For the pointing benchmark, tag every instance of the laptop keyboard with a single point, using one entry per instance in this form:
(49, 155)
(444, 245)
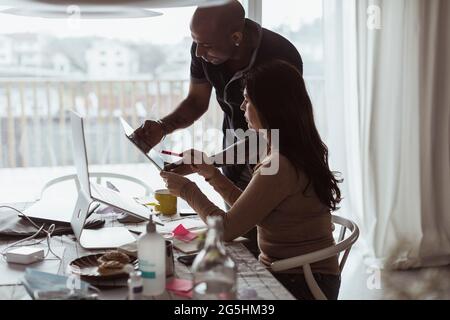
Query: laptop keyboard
(117, 200)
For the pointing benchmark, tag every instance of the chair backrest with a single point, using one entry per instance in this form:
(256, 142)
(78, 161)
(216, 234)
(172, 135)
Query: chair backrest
(345, 243)
(99, 176)
(342, 246)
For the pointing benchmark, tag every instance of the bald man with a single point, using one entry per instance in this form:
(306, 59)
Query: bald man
(225, 46)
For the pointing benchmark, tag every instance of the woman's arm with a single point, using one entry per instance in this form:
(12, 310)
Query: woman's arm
(262, 196)
(225, 187)
(201, 164)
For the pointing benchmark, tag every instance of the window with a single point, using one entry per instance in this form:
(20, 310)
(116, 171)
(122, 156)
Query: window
(300, 21)
(148, 82)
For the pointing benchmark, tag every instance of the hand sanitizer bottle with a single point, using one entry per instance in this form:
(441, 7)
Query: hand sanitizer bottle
(152, 260)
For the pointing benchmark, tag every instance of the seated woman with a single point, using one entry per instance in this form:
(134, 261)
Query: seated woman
(292, 207)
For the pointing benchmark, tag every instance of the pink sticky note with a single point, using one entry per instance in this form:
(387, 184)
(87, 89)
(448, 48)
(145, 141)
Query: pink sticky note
(180, 230)
(187, 238)
(183, 234)
(181, 285)
(184, 294)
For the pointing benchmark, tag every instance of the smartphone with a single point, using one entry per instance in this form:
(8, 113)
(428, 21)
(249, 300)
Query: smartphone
(187, 260)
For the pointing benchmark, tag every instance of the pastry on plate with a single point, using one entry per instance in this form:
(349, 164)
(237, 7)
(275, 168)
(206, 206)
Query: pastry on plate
(114, 256)
(110, 267)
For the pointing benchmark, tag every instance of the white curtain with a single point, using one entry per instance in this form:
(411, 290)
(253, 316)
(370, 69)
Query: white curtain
(389, 124)
(435, 131)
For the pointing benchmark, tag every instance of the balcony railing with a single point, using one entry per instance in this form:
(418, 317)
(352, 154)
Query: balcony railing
(35, 123)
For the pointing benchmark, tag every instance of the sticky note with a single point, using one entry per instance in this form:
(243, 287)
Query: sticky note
(184, 294)
(180, 287)
(183, 234)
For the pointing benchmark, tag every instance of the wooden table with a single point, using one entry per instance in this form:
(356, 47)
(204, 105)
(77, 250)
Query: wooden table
(251, 273)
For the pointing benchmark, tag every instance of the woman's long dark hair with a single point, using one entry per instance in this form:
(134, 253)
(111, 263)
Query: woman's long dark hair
(278, 92)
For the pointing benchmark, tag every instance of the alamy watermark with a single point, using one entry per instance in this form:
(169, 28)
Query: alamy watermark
(374, 17)
(73, 17)
(374, 279)
(73, 282)
(246, 147)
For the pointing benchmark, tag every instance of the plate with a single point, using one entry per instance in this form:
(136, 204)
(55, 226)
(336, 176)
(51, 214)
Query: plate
(87, 268)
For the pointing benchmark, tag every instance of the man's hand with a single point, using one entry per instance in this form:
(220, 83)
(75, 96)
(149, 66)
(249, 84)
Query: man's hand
(148, 135)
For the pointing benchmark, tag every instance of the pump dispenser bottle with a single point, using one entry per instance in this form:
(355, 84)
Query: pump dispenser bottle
(152, 260)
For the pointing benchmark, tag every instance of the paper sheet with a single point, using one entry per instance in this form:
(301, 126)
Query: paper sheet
(186, 247)
(189, 223)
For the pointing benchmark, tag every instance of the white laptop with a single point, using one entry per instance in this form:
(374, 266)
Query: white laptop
(90, 192)
(54, 210)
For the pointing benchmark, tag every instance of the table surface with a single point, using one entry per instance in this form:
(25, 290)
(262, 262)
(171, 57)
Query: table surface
(251, 273)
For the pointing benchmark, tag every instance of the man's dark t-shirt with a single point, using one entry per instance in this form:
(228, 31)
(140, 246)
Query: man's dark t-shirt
(229, 87)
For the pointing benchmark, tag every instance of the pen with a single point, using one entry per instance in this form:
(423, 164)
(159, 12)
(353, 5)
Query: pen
(170, 153)
(187, 214)
(158, 223)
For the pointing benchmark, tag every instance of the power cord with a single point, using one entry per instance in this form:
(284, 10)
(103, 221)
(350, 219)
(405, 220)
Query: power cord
(73, 294)
(48, 233)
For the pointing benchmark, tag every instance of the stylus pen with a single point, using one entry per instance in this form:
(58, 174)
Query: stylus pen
(170, 153)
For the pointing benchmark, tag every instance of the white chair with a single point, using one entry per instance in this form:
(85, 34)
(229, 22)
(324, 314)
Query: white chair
(343, 245)
(99, 176)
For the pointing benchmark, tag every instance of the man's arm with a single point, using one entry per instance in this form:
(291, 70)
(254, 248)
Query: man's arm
(188, 111)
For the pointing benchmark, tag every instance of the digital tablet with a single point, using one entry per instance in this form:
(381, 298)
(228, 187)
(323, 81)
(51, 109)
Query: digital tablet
(152, 155)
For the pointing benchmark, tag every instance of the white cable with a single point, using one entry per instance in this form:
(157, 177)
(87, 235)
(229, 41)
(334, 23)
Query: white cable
(3, 253)
(48, 233)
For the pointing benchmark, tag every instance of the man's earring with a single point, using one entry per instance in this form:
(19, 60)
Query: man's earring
(236, 44)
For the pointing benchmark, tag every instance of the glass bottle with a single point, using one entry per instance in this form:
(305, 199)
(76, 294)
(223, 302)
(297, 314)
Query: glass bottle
(135, 286)
(214, 272)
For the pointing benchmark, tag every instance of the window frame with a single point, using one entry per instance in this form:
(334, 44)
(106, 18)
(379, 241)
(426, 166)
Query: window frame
(253, 9)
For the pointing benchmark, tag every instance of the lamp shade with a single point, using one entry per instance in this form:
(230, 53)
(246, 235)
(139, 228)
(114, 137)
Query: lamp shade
(96, 9)
(146, 4)
(111, 12)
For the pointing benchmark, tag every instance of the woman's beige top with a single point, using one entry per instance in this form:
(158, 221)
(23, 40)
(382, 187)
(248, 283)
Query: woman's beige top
(289, 222)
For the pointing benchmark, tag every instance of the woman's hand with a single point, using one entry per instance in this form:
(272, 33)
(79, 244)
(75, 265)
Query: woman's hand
(193, 161)
(200, 163)
(174, 182)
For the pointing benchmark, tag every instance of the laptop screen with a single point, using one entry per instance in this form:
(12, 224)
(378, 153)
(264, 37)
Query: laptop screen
(152, 155)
